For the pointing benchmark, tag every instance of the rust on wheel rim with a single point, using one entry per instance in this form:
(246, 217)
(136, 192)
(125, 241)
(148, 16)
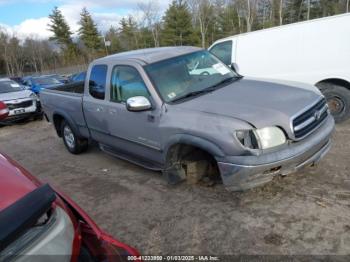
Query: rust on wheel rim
(336, 105)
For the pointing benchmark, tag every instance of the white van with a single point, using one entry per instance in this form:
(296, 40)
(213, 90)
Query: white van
(316, 52)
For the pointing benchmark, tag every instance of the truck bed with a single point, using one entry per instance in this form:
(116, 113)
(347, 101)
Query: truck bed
(76, 87)
(66, 100)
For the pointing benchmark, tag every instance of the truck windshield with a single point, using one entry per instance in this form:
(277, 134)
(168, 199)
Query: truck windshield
(9, 86)
(187, 75)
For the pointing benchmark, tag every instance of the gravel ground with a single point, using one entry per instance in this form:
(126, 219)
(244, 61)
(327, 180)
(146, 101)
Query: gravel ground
(303, 213)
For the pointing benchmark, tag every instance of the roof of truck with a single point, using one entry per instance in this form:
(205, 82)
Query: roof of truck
(151, 55)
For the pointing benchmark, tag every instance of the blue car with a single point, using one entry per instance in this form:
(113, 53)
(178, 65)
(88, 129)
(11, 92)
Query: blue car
(36, 84)
(78, 77)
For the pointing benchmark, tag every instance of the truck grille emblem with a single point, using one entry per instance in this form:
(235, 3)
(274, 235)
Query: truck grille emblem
(317, 114)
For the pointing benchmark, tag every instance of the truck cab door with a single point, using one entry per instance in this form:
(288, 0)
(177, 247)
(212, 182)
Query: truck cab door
(135, 133)
(94, 104)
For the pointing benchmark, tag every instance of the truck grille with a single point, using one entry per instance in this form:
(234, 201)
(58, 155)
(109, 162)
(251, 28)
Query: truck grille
(12, 106)
(308, 121)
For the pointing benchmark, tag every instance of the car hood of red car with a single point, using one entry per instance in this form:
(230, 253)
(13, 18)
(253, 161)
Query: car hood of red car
(15, 182)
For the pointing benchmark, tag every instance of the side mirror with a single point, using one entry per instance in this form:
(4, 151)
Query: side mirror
(234, 67)
(4, 111)
(138, 103)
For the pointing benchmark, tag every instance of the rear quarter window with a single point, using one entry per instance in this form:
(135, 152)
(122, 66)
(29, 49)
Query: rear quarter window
(97, 81)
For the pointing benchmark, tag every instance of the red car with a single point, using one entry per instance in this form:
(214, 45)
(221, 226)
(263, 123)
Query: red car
(36, 219)
(4, 111)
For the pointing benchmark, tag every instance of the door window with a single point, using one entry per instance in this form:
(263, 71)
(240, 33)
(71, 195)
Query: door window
(97, 82)
(126, 82)
(223, 51)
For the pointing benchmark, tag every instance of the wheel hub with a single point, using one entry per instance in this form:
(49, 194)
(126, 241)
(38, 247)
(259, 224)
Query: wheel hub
(336, 105)
(69, 137)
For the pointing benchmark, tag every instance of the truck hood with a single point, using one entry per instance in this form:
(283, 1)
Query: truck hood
(15, 95)
(260, 103)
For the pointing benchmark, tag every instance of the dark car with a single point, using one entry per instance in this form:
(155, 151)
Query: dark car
(60, 78)
(37, 83)
(39, 221)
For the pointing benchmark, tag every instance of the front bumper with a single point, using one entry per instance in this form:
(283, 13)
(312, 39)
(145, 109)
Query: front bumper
(17, 107)
(27, 112)
(244, 172)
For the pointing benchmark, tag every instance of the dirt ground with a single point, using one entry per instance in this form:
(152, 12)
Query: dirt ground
(303, 213)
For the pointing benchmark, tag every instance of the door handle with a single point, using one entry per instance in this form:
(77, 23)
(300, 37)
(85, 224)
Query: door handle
(99, 109)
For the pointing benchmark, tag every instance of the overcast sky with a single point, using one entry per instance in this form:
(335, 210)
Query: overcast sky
(30, 17)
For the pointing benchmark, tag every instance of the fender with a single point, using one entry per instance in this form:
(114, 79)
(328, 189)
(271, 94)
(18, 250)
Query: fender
(196, 141)
(343, 81)
(67, 118)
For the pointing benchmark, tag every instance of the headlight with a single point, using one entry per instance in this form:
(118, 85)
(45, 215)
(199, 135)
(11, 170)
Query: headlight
(263, 138)
(247, 138)
(270, 137)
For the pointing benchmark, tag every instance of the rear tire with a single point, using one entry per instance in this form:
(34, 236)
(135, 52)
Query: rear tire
(73, 143)
(338, 99)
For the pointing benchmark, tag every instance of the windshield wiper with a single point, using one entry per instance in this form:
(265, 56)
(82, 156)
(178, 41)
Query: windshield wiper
(191, 94)
(227, 80)
(206, 90)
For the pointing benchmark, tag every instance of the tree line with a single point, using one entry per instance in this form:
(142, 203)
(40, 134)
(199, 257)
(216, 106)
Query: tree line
(185, 22)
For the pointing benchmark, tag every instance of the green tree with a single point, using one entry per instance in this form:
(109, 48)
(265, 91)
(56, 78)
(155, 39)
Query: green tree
(62, 35)
(88, 31)
(113, 36)
(226, 22)
(128, 33)
(60, 28)
(178, 28)
(146, 39)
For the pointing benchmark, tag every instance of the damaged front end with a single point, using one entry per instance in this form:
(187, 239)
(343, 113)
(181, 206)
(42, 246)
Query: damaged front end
(240, 173)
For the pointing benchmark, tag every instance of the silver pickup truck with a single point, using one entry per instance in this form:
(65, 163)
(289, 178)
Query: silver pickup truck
(183, 112)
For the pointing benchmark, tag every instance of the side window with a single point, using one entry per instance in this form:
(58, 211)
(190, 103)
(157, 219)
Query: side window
(97, 81)
(223, 51)
(126, 82)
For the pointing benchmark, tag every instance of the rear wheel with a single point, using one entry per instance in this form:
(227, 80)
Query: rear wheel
(338, 99)
(73, 143)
